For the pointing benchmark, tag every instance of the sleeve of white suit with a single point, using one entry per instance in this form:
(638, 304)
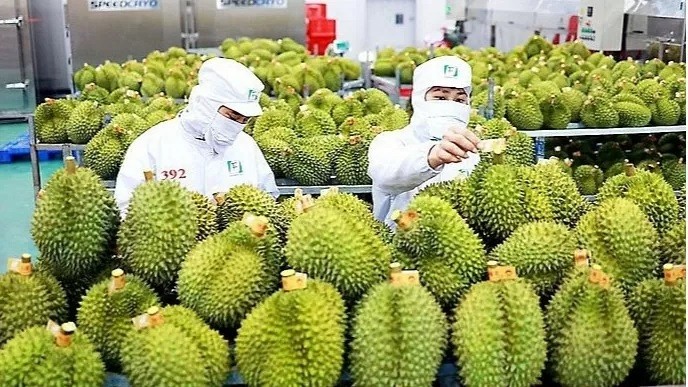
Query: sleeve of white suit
(396, 167)
(266, 178)
(130, 175)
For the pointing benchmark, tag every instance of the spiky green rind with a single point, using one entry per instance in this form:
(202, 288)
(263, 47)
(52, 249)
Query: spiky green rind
(180, 351)
(158, 232)
(400, 334)
(632, 114)
(450, 191)
(104, 154)
(659, 310)
(74, 223)
(26, 301)
(649, 191)
(448, 254)
(234, 253)
(588, 179)
(310, 163)
(674, 173)
(50, 119)
(499, 335)
(273, 118)
(335, 247)
(314, 122)
(560, 188)
(588, 326)
(206, 217)
(293, 338)
(541, 252)
(105, 317)
(351, 164)
(241, 199)
(621, 239)
(84, 122)
(394, 118)
(672, 244)
(33, 359)
(350, 107)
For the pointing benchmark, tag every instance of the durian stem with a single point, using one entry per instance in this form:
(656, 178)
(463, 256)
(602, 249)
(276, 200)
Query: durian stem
(672, 273)
(70, 165)
(155, 317)
(118, 279)
(257, 224)
(580, 257)
(148, 175)
(492, 271)
(629, 169)
(291, 280)
(64, 337)
(219, 198)
(25, 267)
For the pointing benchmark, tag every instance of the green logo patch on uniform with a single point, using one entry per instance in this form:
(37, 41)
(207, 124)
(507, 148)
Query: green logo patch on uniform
(234, 167)
(451, 71)
(252, 95)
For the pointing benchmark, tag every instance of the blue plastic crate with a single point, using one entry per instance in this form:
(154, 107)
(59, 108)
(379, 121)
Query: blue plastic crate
(18, 149)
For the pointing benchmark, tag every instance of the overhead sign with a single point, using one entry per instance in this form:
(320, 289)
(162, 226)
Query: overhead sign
(228, 4)
(123, 5)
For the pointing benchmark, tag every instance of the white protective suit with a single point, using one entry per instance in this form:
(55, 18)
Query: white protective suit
(200, 148)
(398, 160)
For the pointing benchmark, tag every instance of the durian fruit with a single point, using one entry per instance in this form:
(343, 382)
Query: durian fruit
(646, 189)
(672, 244)
(589, 179)
(351, 164)
(632, 115)
(350, 107)
(665, 111)
(159, 230)
(449, 191)
(50, 120)
(599, 112)
(294, 337)
(84, 122)
(275, 152)
(39, 357)
(519, 146)
(310, 161)
(172, 346)
(84, 76)
(206, 216)
(313, 122)
(75, 223)
(106, 310)
(241, 199)
(658, 308)
(619, 236)
(555, 111)
(233, 254)
(394, 118)
(567, 204)
(499, 332)
(588, 324)
(272, 118)
(336, 247)
(523, 111)
(345, 202)
(399, 333)
(540, 252)
(439, 243)
(674, 172)
(28, 298)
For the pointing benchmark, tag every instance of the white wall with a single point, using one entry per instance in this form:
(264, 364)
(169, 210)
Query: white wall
(430, 18)
(351, 22)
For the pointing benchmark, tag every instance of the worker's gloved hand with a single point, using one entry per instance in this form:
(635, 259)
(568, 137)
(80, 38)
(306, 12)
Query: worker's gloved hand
(456, 144)
(222, 132)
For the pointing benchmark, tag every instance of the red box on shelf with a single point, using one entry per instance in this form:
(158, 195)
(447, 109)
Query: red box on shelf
(320, 27)
(316, 11)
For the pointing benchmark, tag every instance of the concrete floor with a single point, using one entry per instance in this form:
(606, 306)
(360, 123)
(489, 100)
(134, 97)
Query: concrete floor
(16, 199)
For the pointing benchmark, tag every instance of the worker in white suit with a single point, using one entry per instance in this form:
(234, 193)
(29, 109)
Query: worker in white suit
(204, 148)
(436, 146)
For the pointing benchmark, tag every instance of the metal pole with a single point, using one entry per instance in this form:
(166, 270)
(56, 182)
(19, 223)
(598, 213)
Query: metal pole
(683, 41)
(33, 154)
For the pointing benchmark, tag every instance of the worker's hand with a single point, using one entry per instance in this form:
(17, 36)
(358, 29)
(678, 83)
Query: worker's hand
(455, 146)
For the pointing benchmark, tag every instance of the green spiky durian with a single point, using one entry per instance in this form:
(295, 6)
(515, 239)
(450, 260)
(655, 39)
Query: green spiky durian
(34, 358)
(159, 230)
(665, 111)
(241, 199)
(659, 309)
(84, 76)
(293, 337)
(351, 165)
(323, 99)
(314, 122)
(75, 222)
(374, 100)
(589, 179)
(275, 152)
(621, 238)
(449, 191)
(649, 191)
(555, 111)
(430, 233)
(599, 112)
(106, 76)
(50, 119)
(350, 107)
(524, 113)
(272, 118)
(206, 216)
(499, 334)
(151, 84)
(588, 325)
(573, 99)
(672, 245)
(203, 285)
(541, 252)
(336, 247)
(104, 153)
(519, 147)
(394, 118)
(131, 80)
(84, 122)
(310, 162)
(632, 115)
(389, 315)
(93, 92)
(181, 350)
(28, 298)
(106, 310)
(628, 97)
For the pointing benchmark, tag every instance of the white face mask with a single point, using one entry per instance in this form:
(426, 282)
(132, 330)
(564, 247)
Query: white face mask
(438, 116)
(222, 132)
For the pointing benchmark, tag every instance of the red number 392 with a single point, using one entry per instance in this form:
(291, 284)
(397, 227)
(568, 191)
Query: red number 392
(174, 174)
